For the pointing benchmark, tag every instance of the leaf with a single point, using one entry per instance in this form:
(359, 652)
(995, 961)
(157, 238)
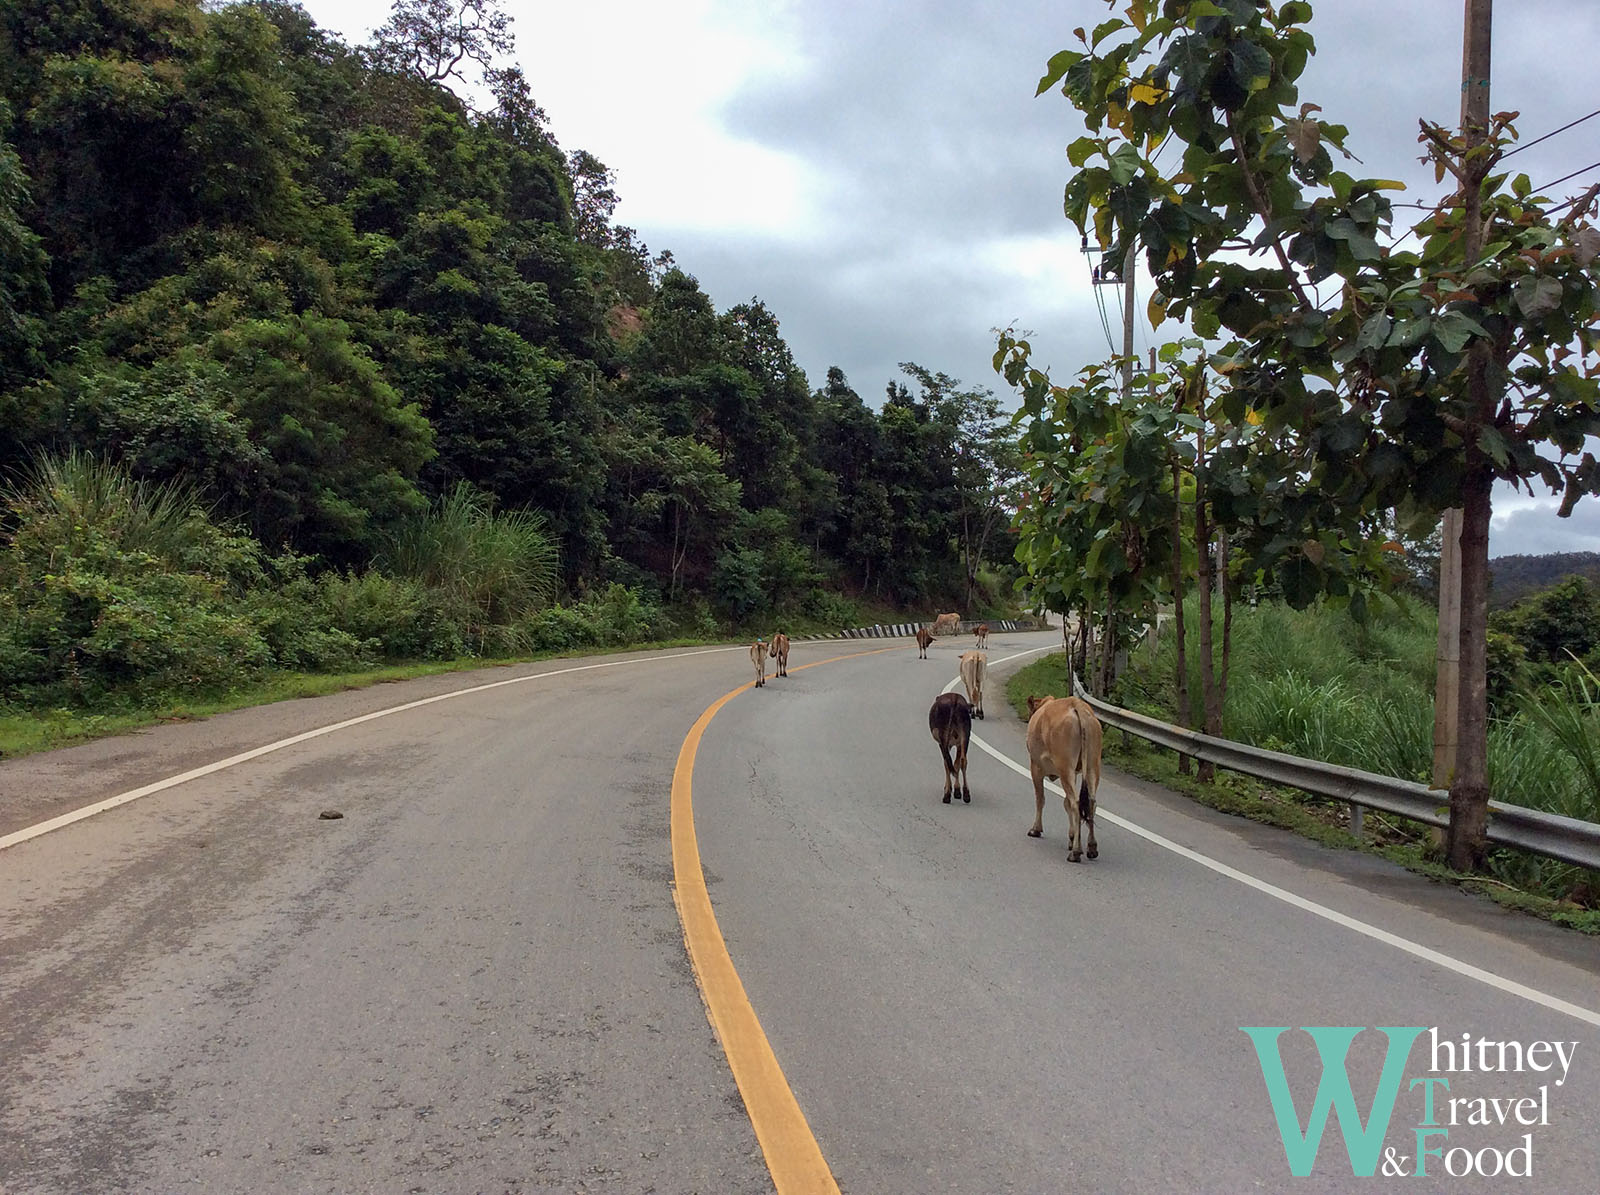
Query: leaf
(1305, 136)
(1055, 70)
(1314, 551)
(1586, 245)
(1537, 297)
(1156, 310)
(1492, 442)
(1146, 93)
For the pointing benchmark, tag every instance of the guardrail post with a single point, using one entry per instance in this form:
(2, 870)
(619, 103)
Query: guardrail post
(1355, 819)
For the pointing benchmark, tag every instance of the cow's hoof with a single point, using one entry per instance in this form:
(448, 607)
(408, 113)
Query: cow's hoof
(1093, 853)
(1035, 833)
(967, 798)
(947, 798)
(1074, 856)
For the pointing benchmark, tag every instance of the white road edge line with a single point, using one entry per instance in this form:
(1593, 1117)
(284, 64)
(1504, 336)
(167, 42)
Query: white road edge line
(1426, 953)
(66, 819)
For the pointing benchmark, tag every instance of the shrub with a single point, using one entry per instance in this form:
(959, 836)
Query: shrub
(497, 567)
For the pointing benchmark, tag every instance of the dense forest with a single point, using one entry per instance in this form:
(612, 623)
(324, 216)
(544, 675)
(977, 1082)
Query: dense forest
(1517, 577)
(312, 352)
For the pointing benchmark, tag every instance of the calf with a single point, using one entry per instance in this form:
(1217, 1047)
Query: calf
(780, 650)
(980, 635)
(924, 637)
(758, 657)
(972, 670)
(950, 723)
(1064, 740)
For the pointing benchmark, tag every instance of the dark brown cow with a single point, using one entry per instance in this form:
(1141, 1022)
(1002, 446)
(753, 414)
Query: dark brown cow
(950, 723)
(1064, 740)
(780, 650)
(924, 637)
(980, 635)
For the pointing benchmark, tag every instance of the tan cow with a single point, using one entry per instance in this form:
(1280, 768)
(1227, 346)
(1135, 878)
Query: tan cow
(758, 657)
(1064, 740)
(947, 624)
(924, 637)
(780, 650)
(973, 666)
(980, 635)
(950, 723)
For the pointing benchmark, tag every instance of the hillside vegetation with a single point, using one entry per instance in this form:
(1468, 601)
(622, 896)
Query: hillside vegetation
(306, 361)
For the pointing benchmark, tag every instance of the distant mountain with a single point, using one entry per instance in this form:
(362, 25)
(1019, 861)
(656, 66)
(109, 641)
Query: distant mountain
(1512, 578)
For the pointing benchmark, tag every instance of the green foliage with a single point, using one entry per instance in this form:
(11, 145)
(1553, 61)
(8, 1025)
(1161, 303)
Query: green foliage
(1318, 684)
(498, 567)
(309, 291)
(112, 585)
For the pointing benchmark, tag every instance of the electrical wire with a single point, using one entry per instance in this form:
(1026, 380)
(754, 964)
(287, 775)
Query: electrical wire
(1565, 177)
(1550, 134)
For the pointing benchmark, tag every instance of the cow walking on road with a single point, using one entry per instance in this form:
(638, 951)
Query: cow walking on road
(758, 657)
(950, 723)
(980, 635)
(1064, 740)
(924, 637)
(780, 650)
(973, 667)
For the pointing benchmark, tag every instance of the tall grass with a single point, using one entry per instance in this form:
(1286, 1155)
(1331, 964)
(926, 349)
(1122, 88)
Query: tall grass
(75, 506)
(500, 567)
(1317, 684)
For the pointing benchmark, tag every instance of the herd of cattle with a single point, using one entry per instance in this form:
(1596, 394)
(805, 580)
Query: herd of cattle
(1064, 735)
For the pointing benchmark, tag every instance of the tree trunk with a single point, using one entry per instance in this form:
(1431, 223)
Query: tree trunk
(1466, 838)
(1181, 677)
(1227, 624)
(1208, 681)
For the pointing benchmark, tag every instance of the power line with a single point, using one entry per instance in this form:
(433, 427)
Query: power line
(1547, 136)
(1565, 177)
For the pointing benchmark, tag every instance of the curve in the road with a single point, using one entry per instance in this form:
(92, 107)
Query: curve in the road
(1511, 986)
(77, 815)
(794, 1159)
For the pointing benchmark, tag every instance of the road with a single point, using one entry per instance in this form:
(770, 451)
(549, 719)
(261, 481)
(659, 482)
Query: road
(476, 978)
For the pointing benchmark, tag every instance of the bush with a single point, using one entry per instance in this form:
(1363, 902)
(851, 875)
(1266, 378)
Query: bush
(116, 586)
(402, 618)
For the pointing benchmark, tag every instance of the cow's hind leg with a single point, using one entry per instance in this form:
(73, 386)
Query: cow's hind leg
(961, 763)
(1086, 804)
(1038, 803)
(949, 770)
(1074, 818)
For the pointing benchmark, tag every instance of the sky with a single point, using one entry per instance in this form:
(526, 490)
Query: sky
(881, 175)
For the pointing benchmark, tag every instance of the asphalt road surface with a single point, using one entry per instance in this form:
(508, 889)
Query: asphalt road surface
(476, 980)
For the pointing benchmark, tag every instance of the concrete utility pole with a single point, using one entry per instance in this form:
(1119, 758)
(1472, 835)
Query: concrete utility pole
(1477, 20)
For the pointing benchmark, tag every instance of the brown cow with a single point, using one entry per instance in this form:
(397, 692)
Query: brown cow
(758, 657)
(950, 623)
(924, 637)
(950, 723)
(980, 634)
(1064, 740)
(972, 669)
(780, 649)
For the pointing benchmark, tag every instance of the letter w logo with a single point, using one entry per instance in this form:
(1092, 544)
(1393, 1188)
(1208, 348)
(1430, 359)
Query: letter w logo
(1333, 1091)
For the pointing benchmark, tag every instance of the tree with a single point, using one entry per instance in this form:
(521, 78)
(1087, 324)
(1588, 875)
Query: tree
(431, 39)
(1414, 382)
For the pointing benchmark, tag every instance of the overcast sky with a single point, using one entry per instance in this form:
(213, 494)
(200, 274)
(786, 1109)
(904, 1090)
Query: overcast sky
(880, 173)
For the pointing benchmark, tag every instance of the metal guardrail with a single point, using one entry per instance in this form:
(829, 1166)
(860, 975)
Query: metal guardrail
(1550, 834)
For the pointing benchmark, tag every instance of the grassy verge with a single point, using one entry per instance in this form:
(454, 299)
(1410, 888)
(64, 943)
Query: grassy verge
(1323, 821)
(23, 732)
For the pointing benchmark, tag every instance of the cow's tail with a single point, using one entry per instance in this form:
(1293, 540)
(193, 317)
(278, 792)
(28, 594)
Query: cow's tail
(1085, 809)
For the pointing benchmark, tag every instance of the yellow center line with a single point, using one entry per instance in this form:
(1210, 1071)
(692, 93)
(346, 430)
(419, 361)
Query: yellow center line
(794, 1159)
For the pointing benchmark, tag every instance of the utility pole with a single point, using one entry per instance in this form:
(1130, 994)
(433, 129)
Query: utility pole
(1477, 20)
